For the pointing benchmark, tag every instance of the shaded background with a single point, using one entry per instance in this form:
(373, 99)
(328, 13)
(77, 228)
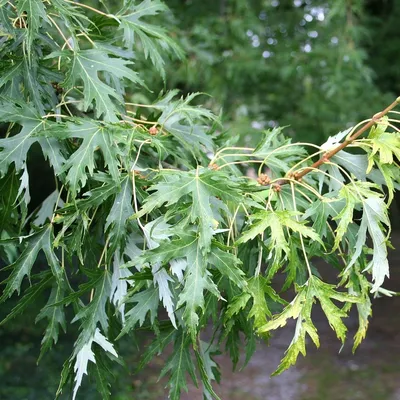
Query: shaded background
(316, 66)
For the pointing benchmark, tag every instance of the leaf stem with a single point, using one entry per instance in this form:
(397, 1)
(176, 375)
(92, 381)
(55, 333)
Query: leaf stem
(134, 183)
(301, 236)
(61, 33)
(215, 158)
(99, 264)
(92, 9)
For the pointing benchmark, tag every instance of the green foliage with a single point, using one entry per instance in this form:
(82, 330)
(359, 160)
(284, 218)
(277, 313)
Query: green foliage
(313, 65)
(155, 224)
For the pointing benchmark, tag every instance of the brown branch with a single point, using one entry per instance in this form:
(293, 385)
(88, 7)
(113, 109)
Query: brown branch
(348, 141)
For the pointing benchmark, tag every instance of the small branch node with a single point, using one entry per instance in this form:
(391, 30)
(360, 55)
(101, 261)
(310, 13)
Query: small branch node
(213, 166)
(325, 158)
(153, 131)
(264, 179)
(277, 187)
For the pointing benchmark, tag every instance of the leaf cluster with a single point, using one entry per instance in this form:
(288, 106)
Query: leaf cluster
(154, 224)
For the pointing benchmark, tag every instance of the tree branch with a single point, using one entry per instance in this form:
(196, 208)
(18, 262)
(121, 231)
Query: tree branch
(348, 141)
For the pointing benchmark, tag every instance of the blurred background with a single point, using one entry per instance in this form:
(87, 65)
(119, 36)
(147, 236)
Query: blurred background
(315, 66)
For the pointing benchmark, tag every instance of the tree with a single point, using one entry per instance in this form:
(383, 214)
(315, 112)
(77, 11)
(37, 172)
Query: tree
(311, 65)
(153, 214)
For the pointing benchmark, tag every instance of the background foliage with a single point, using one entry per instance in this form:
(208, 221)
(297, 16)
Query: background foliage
(152, 224)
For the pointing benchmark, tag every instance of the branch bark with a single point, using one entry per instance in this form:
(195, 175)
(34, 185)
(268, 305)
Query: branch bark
(348, 141)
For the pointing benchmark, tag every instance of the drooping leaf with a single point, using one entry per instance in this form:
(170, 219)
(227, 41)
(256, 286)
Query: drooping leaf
(86, 354)
(183, 121)
(146, 302)
(157, 346)
(178, 365)
(374, 215)
(259, 289)
(197, 280)
(95, 312)
(228, 265)
(31, 294)
(118, 218)
(349, 198)
(208, 369)
(55, 316)
(119, 285)
(42, 239)
(383, 142)
(48, 207)
(359, 285)
(10, 214)
(31, 13)
(300, 309)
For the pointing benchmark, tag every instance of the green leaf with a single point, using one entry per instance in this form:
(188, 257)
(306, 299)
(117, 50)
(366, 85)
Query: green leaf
(33, 12)
(259, 288)
(31, 294)
(183, 121)
(260, 293)
(82, 162)
(146, 302)
(374, 215)
(9, 213)
(157, 346)
(276, 222)
(86, 66)
(387, 144)
(93, 198)
(48, 207)
(14, 149)
(359, 285)
(118, 218)
(296, 270)
(277, 152)
(11, 74)
(154, 39)
(102, 372)
(349, 197)
(320, 211)
(238, 304)
(208, 369)
(178, 365)
(42, 239)
(228, 265)
(390, 175)
(203, 186)
(56, 319)
(197, 280)
(86, 354)
(356, 164)
(95, 312)
(300, 309)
